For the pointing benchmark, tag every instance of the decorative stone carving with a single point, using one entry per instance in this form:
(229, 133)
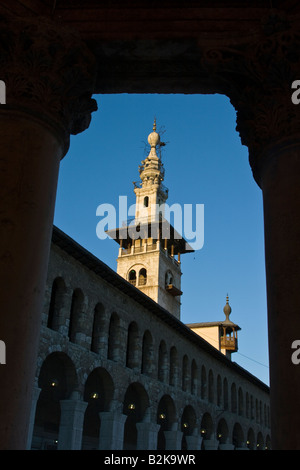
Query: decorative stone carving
(49, 72)
(258, 77)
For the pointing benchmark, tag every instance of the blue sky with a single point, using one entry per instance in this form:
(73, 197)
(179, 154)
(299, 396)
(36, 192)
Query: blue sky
(205, 163)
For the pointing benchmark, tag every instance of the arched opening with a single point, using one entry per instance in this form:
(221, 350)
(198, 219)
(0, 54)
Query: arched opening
(238, 439)
(142, 277)
(250, 439)
(147, 354)
(57, 379)
(136, 402)
(211, 394)
(132, 277)
(56, 303)
(203, 383)
(206, 428)
(222, 432)
(98, 392)
(132, 350)
(240, 402)
(225, 394)
(188, 423)
(233, 398)
(166, 417)
(75, 315)
(113, 349)
(173, 366)
(260, 442)
(194, 378)
(98, 329)
(219, 391)
(162, 370)
(146, 201)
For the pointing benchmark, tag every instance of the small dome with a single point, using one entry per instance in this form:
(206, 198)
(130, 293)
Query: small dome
(227, 308)
(153, 138)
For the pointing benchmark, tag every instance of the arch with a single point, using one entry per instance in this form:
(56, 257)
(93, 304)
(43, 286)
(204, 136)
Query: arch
(113, 349)
(233, 398)
(206, 426)
(136, 402)
(219, 390)
(211, 386)
(240, 402)
(203, 382)
(166, 418)
(56, 304)
(194, 378)
(225, 394)
(188, 424)
(168, 278)
(260, 441)
(162, 370)
(238, 436)
(173, 379)
(98, 328)
(75, 314)
(132, 350)
(250, 439)
(132, 277)
(222, 432)
(147, 353)
(247, 410)
(142, 277)
(185, 373)
(57, 380)
(98, 393)
(146, 201)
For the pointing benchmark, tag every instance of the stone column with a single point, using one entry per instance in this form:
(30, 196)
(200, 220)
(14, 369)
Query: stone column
(270, 125)
(49, 78)
(71, 424)
(35, 397)
(210, 444)
(193, 442)
(111, 430)
(173, 440)
(226, 446)
(147, 435)
(258, 79)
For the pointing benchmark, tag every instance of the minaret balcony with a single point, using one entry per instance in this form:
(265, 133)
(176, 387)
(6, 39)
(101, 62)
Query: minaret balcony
(229, 342)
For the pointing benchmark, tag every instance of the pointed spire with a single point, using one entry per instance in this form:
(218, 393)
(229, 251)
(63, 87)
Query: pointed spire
(227, 309)
(153, 139)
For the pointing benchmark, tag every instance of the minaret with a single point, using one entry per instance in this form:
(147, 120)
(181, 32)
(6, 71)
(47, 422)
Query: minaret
(150, 247)
(228, 333)
(220, 334)
(151, 193)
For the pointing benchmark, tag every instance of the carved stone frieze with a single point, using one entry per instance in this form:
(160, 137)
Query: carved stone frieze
(257, 78)
(49, 72)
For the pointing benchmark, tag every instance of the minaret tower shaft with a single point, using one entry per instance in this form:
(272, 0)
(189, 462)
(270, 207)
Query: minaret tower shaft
(150, 247)
(151, 193)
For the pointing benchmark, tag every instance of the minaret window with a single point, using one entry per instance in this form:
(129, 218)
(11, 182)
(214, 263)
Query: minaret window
(168, 278)
(143, 277)
(132, 277)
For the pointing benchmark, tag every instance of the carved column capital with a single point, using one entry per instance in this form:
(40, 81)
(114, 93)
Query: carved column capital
(49, 73)
(258, 77)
